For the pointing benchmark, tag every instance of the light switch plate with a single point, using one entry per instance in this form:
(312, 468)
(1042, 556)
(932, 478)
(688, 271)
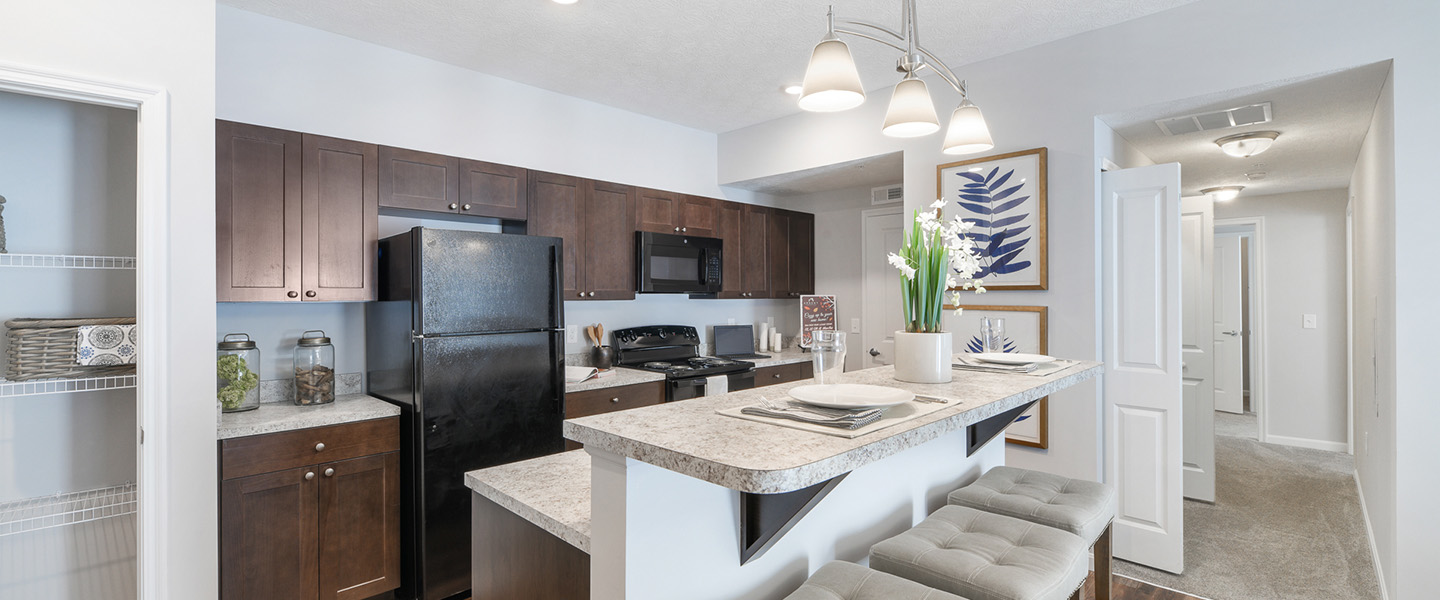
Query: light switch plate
(855, 326)
(1309, 321)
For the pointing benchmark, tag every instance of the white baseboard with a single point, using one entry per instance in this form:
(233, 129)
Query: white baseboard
(1307, 443)
(1370, 533)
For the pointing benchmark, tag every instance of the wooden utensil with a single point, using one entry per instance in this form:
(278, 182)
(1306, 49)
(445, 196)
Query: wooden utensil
(599, 335)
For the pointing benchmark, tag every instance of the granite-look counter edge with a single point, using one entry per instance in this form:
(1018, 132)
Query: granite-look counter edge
(690, 438)
(788, 356)
(621, 377)
(553, 492)
(276, 417)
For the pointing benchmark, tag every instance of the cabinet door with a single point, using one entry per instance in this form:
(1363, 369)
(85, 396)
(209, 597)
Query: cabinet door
(491, 190)
(257, 213)
(340, 219)
(609, 241)
(779, 254)
(697, 216)
(557, 210)
(657, 211)
(730, 223)
(419, 180)
(755, 238)
(359, 527)
(802, 254)
(268, 547)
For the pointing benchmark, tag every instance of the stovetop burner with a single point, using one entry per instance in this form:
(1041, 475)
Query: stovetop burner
(672, 350)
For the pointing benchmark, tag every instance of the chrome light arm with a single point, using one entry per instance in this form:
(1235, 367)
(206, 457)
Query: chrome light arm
(911, 43)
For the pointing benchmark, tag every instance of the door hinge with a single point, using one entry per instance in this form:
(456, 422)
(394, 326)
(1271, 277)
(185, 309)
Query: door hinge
(142, 436)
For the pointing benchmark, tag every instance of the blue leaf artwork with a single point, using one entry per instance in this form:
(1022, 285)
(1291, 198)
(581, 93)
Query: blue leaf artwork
(999, 206)
(976, 346)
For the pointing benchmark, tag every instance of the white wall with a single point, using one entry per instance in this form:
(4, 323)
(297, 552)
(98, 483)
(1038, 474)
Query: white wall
(1304, 270)
(279, 74)
(1049, 96)
(69, 180)
(168, 44)
(1372, 189)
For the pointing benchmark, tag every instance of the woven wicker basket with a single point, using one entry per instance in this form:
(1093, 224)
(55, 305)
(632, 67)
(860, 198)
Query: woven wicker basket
(45, 349)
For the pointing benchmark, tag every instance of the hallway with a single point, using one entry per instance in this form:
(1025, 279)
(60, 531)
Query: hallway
(1286, 525)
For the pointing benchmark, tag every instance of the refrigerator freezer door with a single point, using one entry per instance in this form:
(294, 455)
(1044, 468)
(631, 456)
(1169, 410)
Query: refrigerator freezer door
(483, 400)
(469, 282)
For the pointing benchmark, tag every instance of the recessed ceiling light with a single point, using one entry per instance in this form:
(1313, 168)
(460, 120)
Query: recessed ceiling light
(1245, 145)
(793, 90)
(1224, 193)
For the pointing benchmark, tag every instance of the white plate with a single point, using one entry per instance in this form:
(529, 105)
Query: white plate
(850, 396)
(1012, 358)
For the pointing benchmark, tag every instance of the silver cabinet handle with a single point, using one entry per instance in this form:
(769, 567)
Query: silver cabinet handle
(329, 472)
(466, 207)
(320, 447)
(309, 475)
(454, 206)
(777, 375)
(614, 400)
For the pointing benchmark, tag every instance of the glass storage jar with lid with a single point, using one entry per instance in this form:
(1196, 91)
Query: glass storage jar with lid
(314, 369)
(237, 382)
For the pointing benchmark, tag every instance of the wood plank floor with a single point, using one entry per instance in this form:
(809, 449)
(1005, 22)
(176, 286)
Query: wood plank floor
(1124, 588)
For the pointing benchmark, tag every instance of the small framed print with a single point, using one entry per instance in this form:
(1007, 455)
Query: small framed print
(1026, 331)
(1004, 197)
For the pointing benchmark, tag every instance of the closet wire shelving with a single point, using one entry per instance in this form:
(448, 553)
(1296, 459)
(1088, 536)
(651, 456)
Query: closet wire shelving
(71, 508)
(67, 261)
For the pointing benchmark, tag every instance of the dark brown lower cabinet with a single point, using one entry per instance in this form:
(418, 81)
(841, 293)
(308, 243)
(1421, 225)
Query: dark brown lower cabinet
(323, 531)
(514, 559)
(778, 374)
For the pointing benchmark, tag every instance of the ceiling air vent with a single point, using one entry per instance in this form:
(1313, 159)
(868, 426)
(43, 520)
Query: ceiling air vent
(889, 194)
(1221, 119)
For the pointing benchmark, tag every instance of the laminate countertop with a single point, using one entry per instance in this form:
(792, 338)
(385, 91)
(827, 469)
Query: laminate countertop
(621, 376)
(553, 492)
(691, 439)
(276, 417)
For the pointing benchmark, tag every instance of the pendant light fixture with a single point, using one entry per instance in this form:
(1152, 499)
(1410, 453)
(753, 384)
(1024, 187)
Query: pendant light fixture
(832, 83)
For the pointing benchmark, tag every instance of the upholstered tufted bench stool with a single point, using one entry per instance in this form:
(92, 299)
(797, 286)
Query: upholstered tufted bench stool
(985, 556)
(1084, 508)
(849, 581)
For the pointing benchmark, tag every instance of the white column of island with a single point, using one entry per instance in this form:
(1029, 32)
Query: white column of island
(687, 503)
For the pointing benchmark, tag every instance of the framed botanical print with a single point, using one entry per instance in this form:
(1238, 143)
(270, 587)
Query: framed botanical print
(1026, 331)
(1004, 197)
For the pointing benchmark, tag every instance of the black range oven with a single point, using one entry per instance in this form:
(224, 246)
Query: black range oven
(677, 264)
(674, 351)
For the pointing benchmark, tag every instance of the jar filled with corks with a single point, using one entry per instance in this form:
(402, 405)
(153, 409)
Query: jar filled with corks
(314, 369)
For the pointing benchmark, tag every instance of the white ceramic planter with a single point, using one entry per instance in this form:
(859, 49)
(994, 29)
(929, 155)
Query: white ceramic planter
(923, 357)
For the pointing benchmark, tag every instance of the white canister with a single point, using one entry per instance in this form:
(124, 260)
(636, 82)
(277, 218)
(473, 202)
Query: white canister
(763, 343)
(776, 341)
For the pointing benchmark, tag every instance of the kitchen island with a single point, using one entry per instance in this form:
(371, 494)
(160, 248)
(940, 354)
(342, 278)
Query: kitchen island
(686, 502)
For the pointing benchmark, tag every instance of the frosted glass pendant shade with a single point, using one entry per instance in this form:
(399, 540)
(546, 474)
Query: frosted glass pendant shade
(968, 132)
(911, 113)
(831, 81)
(1246, 145)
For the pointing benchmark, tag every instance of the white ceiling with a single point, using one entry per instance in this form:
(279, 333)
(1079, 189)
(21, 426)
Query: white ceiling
(875, 171)
(1322, 120)
(715, 66)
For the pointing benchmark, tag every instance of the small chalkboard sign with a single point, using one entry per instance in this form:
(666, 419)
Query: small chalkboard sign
(817, 313)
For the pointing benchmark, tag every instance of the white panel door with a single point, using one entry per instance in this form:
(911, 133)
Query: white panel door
(884, 232)
(1227, 329)
(1197, 238)
(1140, 211)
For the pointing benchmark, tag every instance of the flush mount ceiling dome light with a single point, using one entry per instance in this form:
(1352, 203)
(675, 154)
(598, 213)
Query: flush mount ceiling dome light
(1224, 193)
(1245, 145)
(832, 83)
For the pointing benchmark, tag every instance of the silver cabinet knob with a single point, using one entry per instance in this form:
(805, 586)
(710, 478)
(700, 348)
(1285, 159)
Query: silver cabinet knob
(454, 206)
(293, 294)
(582, 294)
(684, 229)
(329, 472)
(677, 229)
(777, 375)
(310, 294)
(592, 294)
(309, 475)
(466, 207)
(320, 447)
(614, 400)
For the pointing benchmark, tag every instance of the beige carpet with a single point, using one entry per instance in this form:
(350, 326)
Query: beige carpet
(1286, 525)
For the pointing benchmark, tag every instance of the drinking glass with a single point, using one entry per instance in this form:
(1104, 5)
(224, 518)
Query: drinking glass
(827, 349)
(992, 334)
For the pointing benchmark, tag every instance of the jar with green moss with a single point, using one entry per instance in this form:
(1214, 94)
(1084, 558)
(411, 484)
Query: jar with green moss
(237, 381)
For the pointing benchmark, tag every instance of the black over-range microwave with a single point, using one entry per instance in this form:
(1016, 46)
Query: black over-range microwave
(677, 264)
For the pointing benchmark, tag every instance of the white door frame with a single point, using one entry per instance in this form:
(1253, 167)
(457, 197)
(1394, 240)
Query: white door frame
(865, 245)
(152, 199)
(1256, 337)
(1350, 325)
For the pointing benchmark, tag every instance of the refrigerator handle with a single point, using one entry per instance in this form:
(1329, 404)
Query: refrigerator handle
(557, 286)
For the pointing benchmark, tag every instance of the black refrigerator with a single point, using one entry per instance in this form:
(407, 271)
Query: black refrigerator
(467, 339)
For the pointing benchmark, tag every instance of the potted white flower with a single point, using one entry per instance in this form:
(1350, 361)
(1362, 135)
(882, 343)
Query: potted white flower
(937, 257)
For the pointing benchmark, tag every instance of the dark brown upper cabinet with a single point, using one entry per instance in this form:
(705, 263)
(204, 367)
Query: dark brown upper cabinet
(779, 254)
(419, 180)
(755, 252)
(596, 221)
(491, 190)
(557, 210)
(698, 216)
(802, 254)
(339, 219)
(730, 223)
(657, 211)
(257, 213)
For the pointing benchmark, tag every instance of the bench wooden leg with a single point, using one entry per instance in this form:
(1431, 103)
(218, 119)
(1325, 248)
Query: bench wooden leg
(1078, 595)
(1102, 565)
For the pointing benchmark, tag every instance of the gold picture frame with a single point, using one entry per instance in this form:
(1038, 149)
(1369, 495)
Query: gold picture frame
(994, 192)
(960, 327)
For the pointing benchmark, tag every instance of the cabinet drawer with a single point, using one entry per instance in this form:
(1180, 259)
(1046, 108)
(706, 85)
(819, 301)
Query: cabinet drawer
(604, 400)
(251, 455)
(782, 374)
